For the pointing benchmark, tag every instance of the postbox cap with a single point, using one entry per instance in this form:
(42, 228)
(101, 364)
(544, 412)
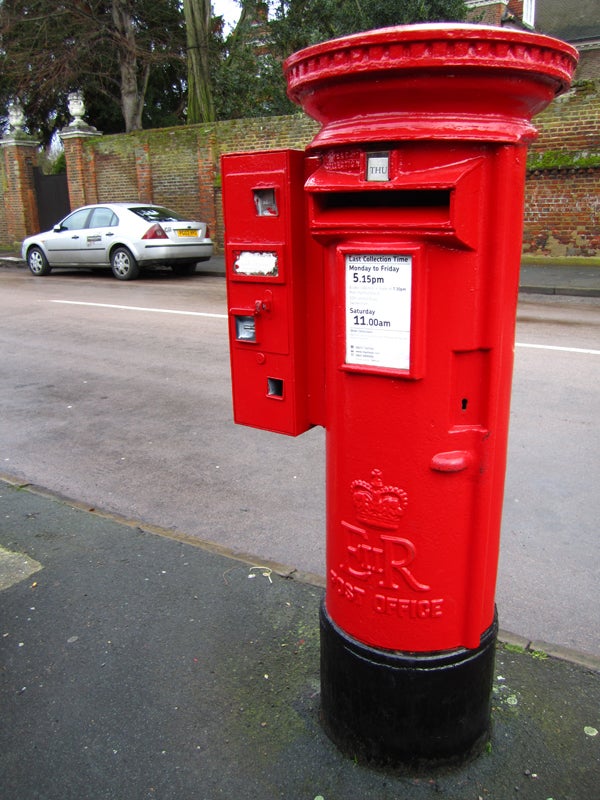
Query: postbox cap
(432, 81)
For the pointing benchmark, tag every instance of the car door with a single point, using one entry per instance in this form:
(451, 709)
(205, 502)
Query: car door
(66, 244)
(99, 234)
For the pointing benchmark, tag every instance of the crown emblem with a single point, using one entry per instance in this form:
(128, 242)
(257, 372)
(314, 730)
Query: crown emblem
(378, 505)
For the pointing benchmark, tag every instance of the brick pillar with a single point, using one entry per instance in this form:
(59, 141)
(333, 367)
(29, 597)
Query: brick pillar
(206, 185)
(81, 165)
(143, 170)
(20, 157)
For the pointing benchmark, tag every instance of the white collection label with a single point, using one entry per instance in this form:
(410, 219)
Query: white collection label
(378, 309)
(251, 263)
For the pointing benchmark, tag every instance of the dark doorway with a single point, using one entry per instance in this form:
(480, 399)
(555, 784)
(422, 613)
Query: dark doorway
(52, 193)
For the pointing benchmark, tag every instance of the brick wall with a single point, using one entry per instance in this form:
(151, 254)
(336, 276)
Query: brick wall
(294, 131)
(175, 167)
(572, 122)
(562, 213)
(562, 192)
(179, 167)
(589, 65)
(4, 237)
(114, 160)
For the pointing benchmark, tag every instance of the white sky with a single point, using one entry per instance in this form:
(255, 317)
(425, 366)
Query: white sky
(228, 9)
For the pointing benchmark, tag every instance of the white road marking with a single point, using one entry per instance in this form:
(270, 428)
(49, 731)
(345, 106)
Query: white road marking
(224, 316)
(561, 349)
(141, 308)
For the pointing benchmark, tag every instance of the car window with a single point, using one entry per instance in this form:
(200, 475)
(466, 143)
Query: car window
(157, 214)
(103, 218)
(76, 220)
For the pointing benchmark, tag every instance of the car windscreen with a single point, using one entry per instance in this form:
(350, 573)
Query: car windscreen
(157, 214)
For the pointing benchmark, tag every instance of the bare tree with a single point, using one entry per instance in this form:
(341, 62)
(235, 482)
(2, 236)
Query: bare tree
(133, 80)
(198, 16)
(108, 48)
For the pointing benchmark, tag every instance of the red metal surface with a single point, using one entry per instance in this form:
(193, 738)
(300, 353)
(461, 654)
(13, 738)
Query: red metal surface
(266, 289)
(409, 283)
(416, 456)
(437, 81)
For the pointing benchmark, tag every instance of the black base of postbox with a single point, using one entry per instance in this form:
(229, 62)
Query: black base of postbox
(411, 710)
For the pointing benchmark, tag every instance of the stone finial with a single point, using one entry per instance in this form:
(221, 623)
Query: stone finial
(78, 127)
(76, 107)
(16, 116)
(15, 135)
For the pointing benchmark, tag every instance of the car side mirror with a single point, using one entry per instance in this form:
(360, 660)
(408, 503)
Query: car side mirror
(57, 228)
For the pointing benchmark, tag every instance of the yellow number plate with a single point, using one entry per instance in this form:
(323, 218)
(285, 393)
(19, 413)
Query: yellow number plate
(187, 233)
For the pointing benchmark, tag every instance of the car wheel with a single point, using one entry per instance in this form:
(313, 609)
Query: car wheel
(184, 269)
(123, 264)
(37, 262)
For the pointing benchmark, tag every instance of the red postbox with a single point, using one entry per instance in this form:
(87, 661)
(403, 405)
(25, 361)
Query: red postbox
(413, 194)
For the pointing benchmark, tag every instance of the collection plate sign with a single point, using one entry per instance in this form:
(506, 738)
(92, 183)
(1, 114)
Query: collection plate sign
(378, 310)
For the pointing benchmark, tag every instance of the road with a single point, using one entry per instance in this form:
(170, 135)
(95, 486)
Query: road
(117, 395)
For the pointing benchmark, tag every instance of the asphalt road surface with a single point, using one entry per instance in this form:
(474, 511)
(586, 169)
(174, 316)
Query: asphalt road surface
(117, 395)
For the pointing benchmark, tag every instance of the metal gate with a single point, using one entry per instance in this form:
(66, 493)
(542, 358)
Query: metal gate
(52, 194)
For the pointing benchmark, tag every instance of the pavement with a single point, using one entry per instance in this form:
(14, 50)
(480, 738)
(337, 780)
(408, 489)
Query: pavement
(561, 279)
(139, 665)
(136, 664)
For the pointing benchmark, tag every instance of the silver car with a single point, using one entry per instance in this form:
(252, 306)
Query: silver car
(123, 236)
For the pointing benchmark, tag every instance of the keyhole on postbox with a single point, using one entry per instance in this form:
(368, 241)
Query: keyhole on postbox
(464, 403)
